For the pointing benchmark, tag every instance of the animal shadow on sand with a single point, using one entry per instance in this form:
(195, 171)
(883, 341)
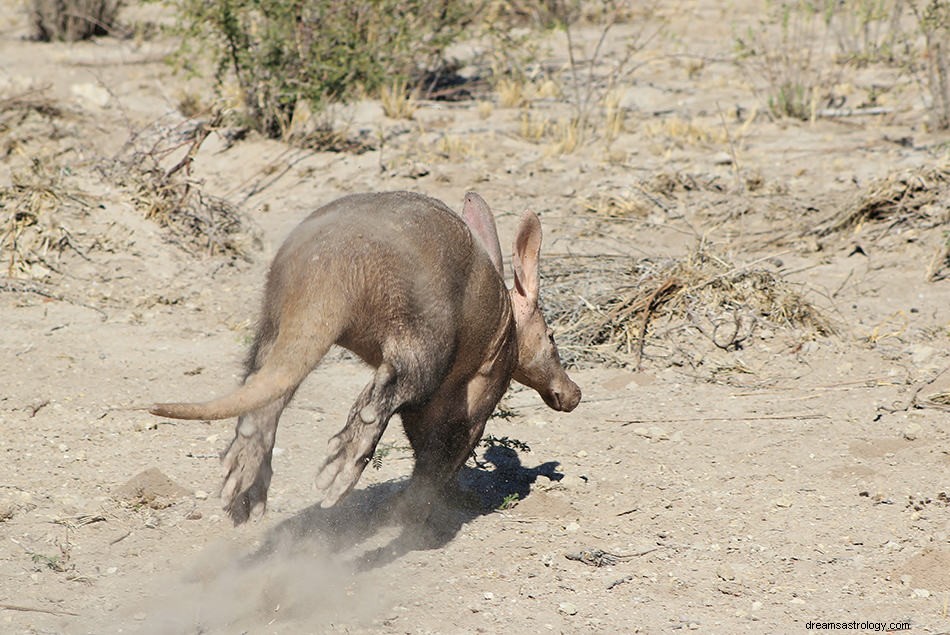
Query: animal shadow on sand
(347, 530)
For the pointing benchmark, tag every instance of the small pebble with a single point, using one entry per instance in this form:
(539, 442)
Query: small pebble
(920, 593)
(567, 608)
(912, 431)
(201, 494)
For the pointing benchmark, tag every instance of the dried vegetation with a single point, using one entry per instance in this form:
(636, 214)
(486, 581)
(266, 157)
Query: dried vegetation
(606, 308)
(73, 20)
(909, 198)
(48, 213)
(165, 191)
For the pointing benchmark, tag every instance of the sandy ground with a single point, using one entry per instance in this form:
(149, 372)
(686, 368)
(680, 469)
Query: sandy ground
(801, 478)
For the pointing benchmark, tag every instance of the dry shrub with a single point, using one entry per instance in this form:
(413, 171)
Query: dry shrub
(910, 198)
(603, 307)
(37, 204)
(34, 212)
(72, 20)
(167, 194)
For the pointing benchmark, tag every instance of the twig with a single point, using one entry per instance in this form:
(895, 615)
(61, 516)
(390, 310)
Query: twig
(797, 417)
(652, 302)
(854, 112)
(25, 286)
(626, 578)
(912, 402)
(34, 609)
(732, 151)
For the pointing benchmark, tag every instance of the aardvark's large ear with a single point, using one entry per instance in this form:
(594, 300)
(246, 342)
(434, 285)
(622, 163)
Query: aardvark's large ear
(480, 220)
(525, 256)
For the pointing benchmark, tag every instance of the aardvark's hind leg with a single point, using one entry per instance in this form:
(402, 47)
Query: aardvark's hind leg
(351, 448)
(247, 462)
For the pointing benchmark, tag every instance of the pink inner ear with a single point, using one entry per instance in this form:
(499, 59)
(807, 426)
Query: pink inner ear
(481, 222)
(525, 256)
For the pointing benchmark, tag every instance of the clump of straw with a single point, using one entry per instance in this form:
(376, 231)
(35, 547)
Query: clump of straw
(603, 307)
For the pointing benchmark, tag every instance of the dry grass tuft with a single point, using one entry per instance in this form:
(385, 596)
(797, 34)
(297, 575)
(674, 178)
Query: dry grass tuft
(33, 220)
(194, 220)
(603, 307)
(37, 202)
(397, 101)
(615, 206)
(909, 198)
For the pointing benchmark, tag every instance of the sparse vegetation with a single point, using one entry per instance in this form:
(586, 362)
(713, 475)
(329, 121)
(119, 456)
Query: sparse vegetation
(933, 22)
(510, 501)
(282, 52)
(790, 51)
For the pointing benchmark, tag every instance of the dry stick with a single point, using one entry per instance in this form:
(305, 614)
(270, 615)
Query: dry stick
(912, 402)
(651, 305)
(22, 286)
(200, 135)
(854, 112)
(33, 609)
(795, 417)
(732, 150)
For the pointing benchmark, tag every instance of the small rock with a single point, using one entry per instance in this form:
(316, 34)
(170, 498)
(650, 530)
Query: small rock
(920, 354)
(91, 94)
(489, 595)
(756, 605)
(725, 572)
(570, 481)
(912, 431)
(920, 593)
(193, 515)
(567, 608)
(722, 158)
(572, 527)
(201, 495)
(782, 502)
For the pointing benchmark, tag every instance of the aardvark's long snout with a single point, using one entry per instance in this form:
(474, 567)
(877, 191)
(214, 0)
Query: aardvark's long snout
(563, 396)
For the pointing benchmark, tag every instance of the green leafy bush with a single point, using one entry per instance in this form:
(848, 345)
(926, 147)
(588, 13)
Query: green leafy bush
(280, 52)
